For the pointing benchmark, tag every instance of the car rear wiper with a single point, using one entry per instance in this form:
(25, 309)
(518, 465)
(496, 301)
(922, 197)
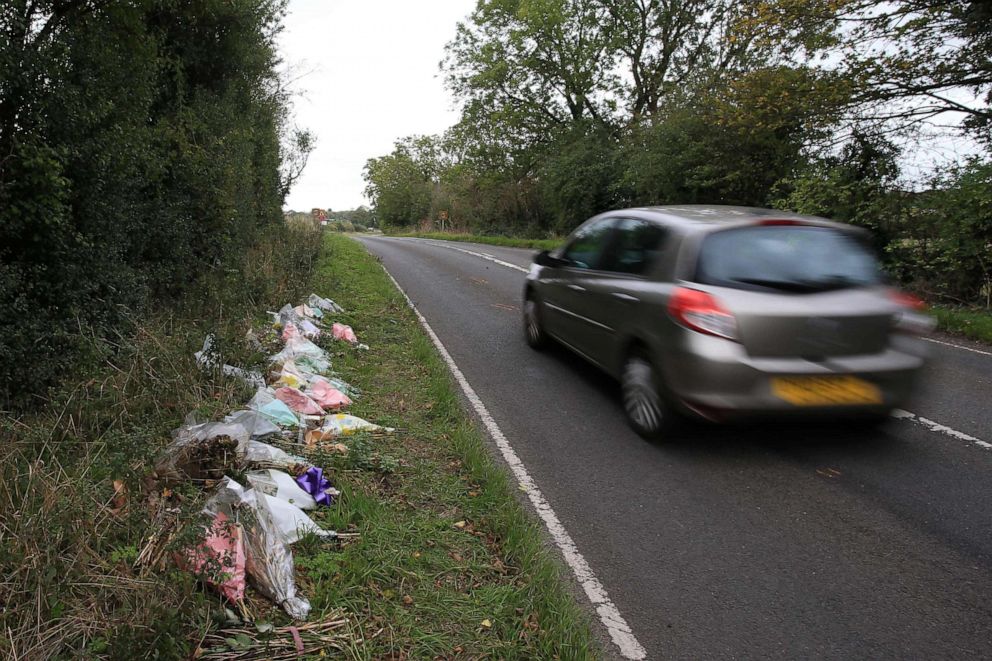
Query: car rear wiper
(784, 285)
(831, 282)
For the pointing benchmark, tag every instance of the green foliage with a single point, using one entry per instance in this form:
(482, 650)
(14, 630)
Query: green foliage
(939, 241)
(70, 537)
(852, 187)
(141, 147)
(537, 65)
(578, 176)
(945, 249)
(907, 61)
(342, 226)
(400, 188)
(361, 217)
(574, 106)
(973, 323)
(700, 155)
(507, 241)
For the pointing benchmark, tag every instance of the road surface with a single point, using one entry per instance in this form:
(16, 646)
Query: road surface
(767, 542)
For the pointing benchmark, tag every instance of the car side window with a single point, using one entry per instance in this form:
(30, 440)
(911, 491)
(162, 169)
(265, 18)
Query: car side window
(635, 248)
(587, 245)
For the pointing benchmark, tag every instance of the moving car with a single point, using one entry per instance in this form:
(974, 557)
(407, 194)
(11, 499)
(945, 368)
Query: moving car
(722, 313)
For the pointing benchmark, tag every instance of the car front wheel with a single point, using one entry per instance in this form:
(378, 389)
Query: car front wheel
(533, 328)
(642, 403)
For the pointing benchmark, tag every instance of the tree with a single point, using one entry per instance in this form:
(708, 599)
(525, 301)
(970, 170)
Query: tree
(912, 61)
(673, 47)
(945, 244)
(296, 146)
(139, 146)
(854, 186)
(532, 66)
(363, 216)
(578, 176)
(399, 189)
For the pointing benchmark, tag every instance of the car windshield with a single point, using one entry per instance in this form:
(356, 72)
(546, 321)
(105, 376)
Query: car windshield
(791, 258)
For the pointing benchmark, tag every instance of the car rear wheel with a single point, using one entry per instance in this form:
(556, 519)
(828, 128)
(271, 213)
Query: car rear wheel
(643, 404)
(533, 328)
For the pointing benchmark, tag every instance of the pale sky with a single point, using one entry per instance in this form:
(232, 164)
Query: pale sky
(370, 77)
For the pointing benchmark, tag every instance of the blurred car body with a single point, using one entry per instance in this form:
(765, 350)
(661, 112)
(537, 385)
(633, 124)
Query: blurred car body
(728, 312)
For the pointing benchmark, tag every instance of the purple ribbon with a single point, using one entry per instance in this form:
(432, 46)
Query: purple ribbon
(315, 484)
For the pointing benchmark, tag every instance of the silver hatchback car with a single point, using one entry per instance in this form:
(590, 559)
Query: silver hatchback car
(720, 312)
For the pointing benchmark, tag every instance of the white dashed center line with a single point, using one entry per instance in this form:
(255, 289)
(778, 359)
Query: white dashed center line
(483, 255)
(941, 429)
(958, 346)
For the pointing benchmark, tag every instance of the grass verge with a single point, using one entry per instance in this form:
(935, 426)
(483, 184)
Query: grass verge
(69, 535)
(448, 563)
(506, 241)
(974, 324)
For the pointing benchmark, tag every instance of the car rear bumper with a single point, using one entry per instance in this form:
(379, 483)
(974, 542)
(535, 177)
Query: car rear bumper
(717, 379)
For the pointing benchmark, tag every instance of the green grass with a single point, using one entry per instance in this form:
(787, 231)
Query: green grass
(67, 547)
(506, 241)
(444, 544)
(67, 582)
(975, 324)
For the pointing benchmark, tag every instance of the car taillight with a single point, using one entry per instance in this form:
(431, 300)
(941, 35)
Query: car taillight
(911, 319)
(700, 311)
(907, 300)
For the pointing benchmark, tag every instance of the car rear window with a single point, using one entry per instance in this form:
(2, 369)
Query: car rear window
(787, 258)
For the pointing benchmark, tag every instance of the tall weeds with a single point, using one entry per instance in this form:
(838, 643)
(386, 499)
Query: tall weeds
(72, 468)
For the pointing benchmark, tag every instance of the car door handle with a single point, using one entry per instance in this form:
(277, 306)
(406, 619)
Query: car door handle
(625, 297)
(576, 287)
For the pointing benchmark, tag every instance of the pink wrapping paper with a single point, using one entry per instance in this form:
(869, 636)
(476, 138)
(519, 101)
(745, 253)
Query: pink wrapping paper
(298, 401)
(329, 397)
(342, 332)
(222, 555)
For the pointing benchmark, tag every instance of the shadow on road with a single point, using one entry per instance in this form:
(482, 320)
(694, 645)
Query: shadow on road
(789, 438)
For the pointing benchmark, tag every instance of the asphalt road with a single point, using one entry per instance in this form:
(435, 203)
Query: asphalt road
(766, 542)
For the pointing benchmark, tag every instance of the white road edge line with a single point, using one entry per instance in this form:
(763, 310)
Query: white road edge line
(958, 346)
(617, 627)
(478, 254)
(939, 428)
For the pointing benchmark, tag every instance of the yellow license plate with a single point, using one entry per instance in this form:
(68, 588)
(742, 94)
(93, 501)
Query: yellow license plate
(825, 390)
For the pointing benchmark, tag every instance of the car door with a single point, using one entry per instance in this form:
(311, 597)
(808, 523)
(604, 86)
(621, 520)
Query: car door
(614, 295)
(561, 285)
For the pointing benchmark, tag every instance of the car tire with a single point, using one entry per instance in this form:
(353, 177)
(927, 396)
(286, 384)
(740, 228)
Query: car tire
(643, 404)
(533, 327)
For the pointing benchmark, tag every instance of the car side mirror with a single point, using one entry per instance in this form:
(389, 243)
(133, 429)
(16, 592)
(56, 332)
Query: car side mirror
(544, 258)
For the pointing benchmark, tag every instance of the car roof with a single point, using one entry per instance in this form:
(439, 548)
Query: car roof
(699, 215)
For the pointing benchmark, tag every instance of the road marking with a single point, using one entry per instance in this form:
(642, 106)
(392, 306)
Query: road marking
(939, 428)
(958, 346)
(483, 255)
(608, 613)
